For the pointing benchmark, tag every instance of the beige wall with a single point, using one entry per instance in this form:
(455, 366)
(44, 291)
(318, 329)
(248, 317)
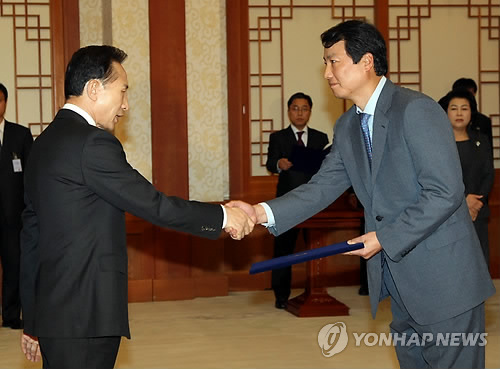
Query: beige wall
(91, 22)
(207, 99)
(23, 59)
(129, 31)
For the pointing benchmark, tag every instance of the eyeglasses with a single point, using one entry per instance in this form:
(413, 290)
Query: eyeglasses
(303, 109)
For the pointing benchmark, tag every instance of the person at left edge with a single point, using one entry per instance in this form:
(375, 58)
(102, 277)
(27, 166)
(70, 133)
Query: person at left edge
(73, 243)
(15, 145)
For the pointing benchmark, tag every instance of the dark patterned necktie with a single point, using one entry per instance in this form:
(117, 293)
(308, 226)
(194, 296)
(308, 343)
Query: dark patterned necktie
(366, 135)
(299, 140)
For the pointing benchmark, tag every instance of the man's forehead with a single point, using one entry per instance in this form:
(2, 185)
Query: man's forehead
(335, 50)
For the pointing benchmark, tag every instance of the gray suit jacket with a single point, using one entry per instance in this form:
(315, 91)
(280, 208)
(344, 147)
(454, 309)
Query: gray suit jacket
(413, 198)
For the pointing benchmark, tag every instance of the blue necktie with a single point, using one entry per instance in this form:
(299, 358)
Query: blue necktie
(366, 135)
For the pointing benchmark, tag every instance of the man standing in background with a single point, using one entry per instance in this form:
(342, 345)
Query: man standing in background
(15, 145)
(295, 154)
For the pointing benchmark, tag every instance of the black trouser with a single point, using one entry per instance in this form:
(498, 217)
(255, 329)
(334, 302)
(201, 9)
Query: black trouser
(10, 255)
(79, 353)
(281, 279)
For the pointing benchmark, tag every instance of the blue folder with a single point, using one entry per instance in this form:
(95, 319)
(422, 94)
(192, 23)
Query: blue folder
(300, 257)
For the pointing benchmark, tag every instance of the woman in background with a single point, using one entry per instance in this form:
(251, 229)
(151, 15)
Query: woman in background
(475, 157)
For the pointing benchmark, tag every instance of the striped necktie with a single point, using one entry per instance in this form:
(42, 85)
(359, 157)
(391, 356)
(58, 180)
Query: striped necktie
(366, 135)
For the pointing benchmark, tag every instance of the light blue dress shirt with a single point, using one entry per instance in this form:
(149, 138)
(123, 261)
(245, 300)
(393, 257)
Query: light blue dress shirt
(369, 109)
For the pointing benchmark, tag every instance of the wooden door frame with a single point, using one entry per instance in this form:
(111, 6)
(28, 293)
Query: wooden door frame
(65, 34)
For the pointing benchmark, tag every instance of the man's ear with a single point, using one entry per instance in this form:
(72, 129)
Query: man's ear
(367, 61)
(92, 89)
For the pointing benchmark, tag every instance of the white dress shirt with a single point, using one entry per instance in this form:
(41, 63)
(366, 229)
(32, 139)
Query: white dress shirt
(2, 128)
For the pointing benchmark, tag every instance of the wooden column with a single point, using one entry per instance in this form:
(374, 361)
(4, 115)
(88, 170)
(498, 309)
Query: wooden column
(177, 256)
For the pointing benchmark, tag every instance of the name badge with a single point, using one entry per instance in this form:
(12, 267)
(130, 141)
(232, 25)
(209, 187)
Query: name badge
(16, 163)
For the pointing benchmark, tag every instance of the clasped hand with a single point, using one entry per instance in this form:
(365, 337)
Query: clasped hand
(474, 204)
(238, 222)
(242, 217)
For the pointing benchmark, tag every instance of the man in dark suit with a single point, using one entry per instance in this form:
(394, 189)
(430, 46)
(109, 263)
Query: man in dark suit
(300, 145)
(73, 243)
(15, 145)
(396, 148)
(480, 122)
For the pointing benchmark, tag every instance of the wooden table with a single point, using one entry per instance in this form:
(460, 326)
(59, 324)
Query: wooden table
(315, 301)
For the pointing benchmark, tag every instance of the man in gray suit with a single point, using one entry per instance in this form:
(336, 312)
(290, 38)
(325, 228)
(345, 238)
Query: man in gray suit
(395, 147)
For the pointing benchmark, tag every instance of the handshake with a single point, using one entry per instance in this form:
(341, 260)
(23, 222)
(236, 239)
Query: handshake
(242, 217)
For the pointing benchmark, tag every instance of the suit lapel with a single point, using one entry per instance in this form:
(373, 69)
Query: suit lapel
(359, 152)
(6, 140)
(380, 124)
(290, 135)
(380, 127)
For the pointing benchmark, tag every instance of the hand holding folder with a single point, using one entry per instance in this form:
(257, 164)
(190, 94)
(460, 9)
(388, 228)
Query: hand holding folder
(300, 257)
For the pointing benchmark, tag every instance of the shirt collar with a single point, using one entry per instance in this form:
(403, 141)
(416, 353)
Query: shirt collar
(295, 130)
(372, 103)
(81, 112)
(2, 129)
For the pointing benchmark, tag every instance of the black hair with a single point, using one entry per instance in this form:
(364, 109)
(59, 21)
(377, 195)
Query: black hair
(461, 93)
(360, 38)
(91, 62)
(3, 89)
(465, 83)
(300, 95)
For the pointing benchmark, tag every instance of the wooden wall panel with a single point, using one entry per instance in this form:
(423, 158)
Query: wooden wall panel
(168, 96)
(169, 134)
(184, 266)
(238, 98)
(140, 250)
(66, 35)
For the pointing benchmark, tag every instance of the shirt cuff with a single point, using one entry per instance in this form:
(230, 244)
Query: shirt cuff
(224, 221)
(270, 216)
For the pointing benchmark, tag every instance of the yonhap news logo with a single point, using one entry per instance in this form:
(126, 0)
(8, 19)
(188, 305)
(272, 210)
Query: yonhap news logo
(333, 339)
